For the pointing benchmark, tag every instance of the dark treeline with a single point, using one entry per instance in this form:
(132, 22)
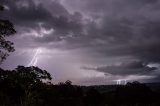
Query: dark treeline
(31, 86)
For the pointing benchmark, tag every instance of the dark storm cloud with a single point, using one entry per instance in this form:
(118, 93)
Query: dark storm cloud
(121, 28)
(27, 14)
(101, 28)
(125, 69)
(114, 28)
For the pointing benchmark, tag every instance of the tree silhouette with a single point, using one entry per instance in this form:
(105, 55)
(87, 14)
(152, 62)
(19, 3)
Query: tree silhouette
(26, 86)
(134, 93)
(6, 30)
(93, 98)
(20, 86)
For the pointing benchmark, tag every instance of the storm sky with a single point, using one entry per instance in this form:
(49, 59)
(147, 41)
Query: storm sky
(89, 42)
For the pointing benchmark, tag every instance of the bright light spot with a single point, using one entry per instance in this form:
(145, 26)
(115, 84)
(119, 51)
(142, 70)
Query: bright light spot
(35, 57)
(121, 81)
(39, 33)
(132, 78)
(47, 32)
(6, 7)
(118, 82)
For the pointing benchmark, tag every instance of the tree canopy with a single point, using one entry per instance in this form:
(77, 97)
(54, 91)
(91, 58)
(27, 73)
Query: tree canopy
(6, 30)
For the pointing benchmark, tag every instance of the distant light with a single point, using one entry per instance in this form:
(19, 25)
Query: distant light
(121, 81)
(6, 7)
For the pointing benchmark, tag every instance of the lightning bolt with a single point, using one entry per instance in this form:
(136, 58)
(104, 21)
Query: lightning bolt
(34, 60)
(121, 81)
(42, 31)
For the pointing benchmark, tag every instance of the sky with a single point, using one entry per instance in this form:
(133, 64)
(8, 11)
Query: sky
(90, 42)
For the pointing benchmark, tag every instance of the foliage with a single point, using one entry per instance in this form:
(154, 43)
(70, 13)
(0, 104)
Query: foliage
(31, 86)
(6, 30)
(19, 86)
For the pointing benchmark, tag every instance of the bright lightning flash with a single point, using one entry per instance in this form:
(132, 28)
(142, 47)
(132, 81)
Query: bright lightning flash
(121, 81)
(35, 57)
(42, 31)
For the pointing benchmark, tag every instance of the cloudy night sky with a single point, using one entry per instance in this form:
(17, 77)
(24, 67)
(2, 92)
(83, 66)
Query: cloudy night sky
(89, 42)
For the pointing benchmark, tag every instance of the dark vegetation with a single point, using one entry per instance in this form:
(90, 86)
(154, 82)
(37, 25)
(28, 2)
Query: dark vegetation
(6, 30)
(31, 86)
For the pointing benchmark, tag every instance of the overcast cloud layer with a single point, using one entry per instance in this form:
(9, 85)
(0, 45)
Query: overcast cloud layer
(87, 41)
